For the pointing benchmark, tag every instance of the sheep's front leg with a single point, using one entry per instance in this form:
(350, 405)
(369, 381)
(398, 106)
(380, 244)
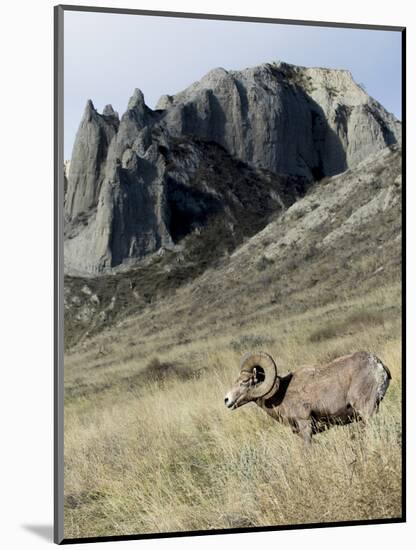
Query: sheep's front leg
(304, 429)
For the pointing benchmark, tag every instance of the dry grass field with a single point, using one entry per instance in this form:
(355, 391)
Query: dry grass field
(150, 446)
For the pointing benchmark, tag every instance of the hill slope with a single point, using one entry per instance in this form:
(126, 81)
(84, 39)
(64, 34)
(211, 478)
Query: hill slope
(344, 236)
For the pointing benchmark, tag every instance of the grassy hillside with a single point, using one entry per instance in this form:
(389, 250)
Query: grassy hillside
(149, 444)
(158, 451)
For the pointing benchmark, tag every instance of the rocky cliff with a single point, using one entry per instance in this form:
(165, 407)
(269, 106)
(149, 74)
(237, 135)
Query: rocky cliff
(307, 121)
(237, 145)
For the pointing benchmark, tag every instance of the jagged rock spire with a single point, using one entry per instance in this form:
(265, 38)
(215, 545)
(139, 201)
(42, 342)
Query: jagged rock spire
(137, 99)
(89, 154)
(89, 110)
(109, 111)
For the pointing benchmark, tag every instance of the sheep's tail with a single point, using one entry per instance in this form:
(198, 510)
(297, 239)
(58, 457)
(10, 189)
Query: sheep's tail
(384, 382)
(388, 371)
(380, 363)
(385, 368)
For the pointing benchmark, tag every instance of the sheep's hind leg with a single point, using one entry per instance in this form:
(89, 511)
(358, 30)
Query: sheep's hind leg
(366, 410)
(365, 404)
(304, 430)
(362, 413)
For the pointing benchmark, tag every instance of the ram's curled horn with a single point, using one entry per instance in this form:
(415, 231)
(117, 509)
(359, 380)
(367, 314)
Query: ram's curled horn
(267, 364)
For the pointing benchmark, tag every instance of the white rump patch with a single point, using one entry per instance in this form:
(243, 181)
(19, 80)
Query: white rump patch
(382, 378)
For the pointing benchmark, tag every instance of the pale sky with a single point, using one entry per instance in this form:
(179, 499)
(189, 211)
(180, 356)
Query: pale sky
(107, 55)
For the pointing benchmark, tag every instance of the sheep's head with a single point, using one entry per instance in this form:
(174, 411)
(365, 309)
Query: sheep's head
(258, 378)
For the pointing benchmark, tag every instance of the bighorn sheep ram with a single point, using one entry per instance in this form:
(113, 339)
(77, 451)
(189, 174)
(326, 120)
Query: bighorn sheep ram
(312, 398)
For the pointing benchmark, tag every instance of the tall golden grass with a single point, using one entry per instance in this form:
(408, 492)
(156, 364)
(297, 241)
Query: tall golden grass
(149, 454)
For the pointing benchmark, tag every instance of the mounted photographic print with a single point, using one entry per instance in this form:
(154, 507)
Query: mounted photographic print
(229, 274)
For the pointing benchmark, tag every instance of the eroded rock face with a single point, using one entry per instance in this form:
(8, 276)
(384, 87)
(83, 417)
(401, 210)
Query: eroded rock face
(288, 119)
(154, 199)
(67, 165)
(88, 161)
(143, 183)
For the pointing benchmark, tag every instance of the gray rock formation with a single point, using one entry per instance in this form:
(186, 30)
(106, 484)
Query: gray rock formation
(67, 164)
(147, 181)
(288, 119)
(155, 199)
(88, 160)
